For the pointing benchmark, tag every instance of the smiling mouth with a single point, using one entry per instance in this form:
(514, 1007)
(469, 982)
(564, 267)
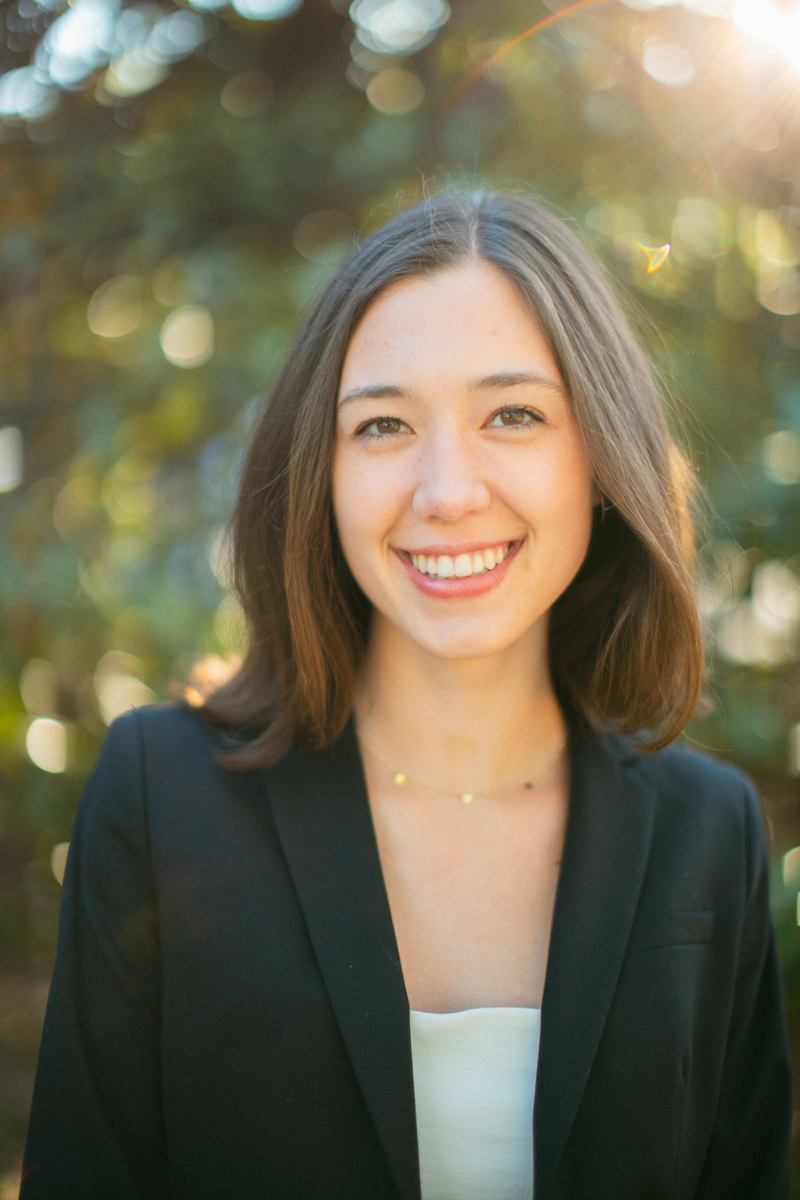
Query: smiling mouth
(461, 566)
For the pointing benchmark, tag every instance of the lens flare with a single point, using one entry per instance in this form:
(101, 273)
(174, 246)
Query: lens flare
(767, 21)
(656, 256)
(479, 72)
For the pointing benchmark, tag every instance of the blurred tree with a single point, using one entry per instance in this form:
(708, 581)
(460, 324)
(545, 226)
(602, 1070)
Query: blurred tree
(177, 181)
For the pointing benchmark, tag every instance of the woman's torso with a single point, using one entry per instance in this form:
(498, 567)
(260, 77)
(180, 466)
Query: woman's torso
(230, 935)
(471, 890)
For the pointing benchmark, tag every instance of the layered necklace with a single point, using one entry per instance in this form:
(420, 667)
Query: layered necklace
(399, 778)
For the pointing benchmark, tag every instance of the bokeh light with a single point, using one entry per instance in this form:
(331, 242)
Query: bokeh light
(668, 63)
(58, 860)
(115, 309)
(397, 92)
(398, 26)
(207, 675)
(780, 453)
(762, 629)
(23, 93)
(133, 72)
(791, 867)
(187, 336)
(11, 458)
(266, 10)
(46, 743)
(117, 685)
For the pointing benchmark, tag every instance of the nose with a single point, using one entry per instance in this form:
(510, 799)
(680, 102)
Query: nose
(449, 484)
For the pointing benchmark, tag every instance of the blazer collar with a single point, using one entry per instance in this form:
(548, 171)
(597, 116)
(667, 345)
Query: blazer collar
(321, 812)
(605, 855)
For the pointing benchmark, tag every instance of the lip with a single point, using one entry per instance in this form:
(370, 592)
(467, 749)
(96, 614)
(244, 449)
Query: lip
(458, 589)
(455, 548)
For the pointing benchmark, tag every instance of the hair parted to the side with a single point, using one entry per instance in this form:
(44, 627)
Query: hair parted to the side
(625, 642)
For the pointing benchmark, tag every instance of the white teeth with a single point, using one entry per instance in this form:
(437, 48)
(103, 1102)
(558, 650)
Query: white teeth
(462, 565)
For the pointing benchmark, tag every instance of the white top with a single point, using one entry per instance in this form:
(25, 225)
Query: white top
(474, 1083)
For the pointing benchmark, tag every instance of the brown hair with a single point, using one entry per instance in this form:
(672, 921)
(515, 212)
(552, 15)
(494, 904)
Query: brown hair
(625, 644)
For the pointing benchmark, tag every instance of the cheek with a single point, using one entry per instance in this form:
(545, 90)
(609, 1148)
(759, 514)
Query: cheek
(571, 508)
(570, 497)
(570, 523)
(554, 494)
(346, 508)
(361, 509)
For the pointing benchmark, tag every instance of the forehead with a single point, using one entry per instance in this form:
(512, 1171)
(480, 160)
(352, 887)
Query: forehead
(470, 318)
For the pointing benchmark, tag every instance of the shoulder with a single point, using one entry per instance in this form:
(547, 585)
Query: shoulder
(167, 721)
(169, 748)
(677, 772)
(166, 734)
(704, 806)
(159, 770)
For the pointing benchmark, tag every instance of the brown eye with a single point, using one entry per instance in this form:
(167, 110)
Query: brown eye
(387, 425)
(515, 418)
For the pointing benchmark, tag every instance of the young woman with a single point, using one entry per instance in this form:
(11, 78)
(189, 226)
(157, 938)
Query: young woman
(397, 915)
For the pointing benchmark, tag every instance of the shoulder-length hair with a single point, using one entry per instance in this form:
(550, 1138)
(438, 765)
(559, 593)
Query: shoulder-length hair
(625, 645)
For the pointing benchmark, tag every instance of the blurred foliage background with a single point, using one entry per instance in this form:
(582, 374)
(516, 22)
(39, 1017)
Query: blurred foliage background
(176, 181)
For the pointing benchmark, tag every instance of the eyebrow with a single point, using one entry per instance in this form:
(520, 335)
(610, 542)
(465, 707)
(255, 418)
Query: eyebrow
(513, 378)
(373, 391)
(504, 379)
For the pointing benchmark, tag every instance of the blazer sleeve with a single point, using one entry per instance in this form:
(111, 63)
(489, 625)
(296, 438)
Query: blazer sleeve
(96, 1128)
(748, 1153)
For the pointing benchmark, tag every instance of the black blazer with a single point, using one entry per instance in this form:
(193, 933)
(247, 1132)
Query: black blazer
(228, 1017)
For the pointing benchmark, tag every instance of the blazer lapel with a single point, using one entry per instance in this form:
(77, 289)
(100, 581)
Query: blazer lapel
(321, 811)
(605, 854)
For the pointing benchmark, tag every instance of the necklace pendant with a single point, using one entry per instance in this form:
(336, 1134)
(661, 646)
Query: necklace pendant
(399, 778)
(467, 797)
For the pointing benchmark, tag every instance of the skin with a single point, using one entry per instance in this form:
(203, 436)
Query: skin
(455, 433)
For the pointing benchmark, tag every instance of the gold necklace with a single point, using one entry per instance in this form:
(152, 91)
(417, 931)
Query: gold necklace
(399, 778)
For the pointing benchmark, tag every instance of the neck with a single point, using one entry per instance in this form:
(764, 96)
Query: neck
(462, 725)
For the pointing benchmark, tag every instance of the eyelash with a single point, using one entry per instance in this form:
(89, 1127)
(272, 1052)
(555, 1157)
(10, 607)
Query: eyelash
(361, 432)
(537, 419)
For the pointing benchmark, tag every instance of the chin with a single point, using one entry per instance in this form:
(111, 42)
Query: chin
(461, 644)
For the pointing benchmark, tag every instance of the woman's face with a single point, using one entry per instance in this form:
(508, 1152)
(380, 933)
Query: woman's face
(462, 493)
